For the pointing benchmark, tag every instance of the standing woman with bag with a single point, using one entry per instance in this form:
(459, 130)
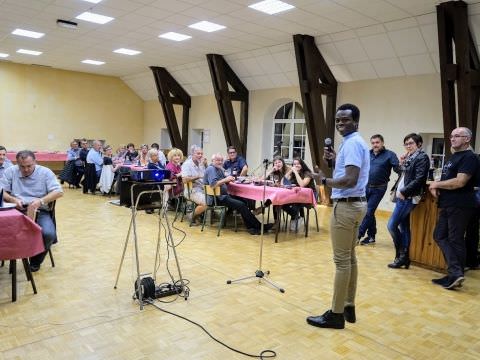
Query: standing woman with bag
(408, 191)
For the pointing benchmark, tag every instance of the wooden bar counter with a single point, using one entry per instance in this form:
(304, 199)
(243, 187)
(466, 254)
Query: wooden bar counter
(424, 251)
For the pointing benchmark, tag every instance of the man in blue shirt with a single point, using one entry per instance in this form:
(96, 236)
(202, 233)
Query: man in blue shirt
(215, 176)
(31, 187)
(95, 157)
(382, 161)
(4, 161)
(350, 177)
(235, 165)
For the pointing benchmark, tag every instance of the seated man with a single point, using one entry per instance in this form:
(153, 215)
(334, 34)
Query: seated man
(215, 176)
(31, 187)
(4, 162)
(95, 157)
(193, 171)
(235, 165)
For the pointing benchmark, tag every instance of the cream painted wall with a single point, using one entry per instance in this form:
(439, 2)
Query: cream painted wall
(392, 107)
(44, 109)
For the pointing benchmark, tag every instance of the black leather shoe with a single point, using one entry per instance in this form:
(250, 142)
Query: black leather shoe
(253, 231)
(267, 227)
(328, 320)
(349, 314)
(34, 268)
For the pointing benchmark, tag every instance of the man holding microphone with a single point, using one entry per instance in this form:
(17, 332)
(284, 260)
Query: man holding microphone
(350, 177)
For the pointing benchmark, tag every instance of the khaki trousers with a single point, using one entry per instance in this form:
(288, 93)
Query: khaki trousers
(344, 224)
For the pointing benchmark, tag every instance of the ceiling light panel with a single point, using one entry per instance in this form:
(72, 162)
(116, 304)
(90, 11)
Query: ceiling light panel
(127, 51)
(93, 62)
(206, 26)
(271, 7)
(28, 33)
(174, 36)
(3, 55)
(94, 18)
(93, 1)
(29, 52)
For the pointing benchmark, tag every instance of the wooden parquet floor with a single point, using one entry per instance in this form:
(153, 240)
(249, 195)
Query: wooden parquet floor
(78, 315)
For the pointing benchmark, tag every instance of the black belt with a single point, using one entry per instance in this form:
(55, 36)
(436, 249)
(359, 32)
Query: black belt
(377, 185)
(351, 199)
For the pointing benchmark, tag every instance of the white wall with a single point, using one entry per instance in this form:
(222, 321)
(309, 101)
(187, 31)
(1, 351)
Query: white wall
(392, 107)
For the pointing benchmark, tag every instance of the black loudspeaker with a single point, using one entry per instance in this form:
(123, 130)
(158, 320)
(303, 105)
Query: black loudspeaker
(146, 201)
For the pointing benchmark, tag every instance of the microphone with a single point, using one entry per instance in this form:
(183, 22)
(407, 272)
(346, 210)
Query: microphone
(328, 145)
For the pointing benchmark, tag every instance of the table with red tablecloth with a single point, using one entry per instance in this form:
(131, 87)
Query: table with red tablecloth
(277, 195)
(42, 156)
(20, 237)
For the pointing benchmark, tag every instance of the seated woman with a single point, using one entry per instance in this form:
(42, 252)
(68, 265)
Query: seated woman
(108, 170)
(175, 157)
(277, 175)
(131, 154)
(153, 162)
(143, 159)
(299, 175)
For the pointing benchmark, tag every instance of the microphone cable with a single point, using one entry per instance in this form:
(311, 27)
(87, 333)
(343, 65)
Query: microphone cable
(264, 354)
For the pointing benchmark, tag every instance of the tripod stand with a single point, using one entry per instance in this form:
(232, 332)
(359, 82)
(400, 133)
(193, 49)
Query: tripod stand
(260, 274)
(133, 225)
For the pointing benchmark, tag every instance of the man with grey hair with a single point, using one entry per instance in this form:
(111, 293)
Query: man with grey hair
(215, 176)
(193, 170)
(95, 157)
(4, 162)
(456, 203)
(31, 187)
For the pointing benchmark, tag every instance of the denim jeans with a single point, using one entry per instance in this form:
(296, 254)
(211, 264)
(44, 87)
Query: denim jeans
(399, 223)
(369, 223)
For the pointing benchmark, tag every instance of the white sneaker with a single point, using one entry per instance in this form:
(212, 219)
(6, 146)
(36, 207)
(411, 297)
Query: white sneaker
(293, 224)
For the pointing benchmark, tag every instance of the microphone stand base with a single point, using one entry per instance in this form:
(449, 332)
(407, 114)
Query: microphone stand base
(261, 277)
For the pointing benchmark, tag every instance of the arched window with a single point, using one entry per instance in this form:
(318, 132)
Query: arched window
(289, 132)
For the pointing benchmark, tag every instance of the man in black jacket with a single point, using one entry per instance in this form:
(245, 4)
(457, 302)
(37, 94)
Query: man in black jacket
(456, 202)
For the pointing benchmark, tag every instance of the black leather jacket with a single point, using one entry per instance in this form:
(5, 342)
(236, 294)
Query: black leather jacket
(416, 176)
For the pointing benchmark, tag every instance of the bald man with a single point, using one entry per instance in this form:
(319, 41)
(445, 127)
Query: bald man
(456, 204)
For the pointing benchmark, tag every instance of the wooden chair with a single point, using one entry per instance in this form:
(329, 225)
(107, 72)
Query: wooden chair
(213, 193)
(51, 211)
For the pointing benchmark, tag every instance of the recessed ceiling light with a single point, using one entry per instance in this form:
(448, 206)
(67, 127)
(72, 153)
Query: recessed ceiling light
(27, 33)
(93, 1)
(29, 52)
(93, 62)
(95, 18)
(174, 36)
(271, 6)
(127, 51)
(206, 26)
(3, 55)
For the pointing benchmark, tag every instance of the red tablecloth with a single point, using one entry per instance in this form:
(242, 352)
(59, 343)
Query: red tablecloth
(20, 237)
(42, 156)
(278, 196)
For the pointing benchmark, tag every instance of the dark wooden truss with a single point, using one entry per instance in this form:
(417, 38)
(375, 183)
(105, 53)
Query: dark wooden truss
(222, 76)
(460, 66)
(316, 80)
(170, 93)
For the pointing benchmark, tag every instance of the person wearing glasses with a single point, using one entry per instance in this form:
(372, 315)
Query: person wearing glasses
(409, 188)
(456, 204)
(235, 165)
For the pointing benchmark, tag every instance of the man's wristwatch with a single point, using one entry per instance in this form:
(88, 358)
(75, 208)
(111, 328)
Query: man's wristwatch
(324, 181)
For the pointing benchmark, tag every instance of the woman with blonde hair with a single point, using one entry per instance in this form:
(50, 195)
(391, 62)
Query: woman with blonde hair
(175, 158)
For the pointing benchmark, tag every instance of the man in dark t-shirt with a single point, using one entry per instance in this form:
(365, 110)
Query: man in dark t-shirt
(456, 203)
